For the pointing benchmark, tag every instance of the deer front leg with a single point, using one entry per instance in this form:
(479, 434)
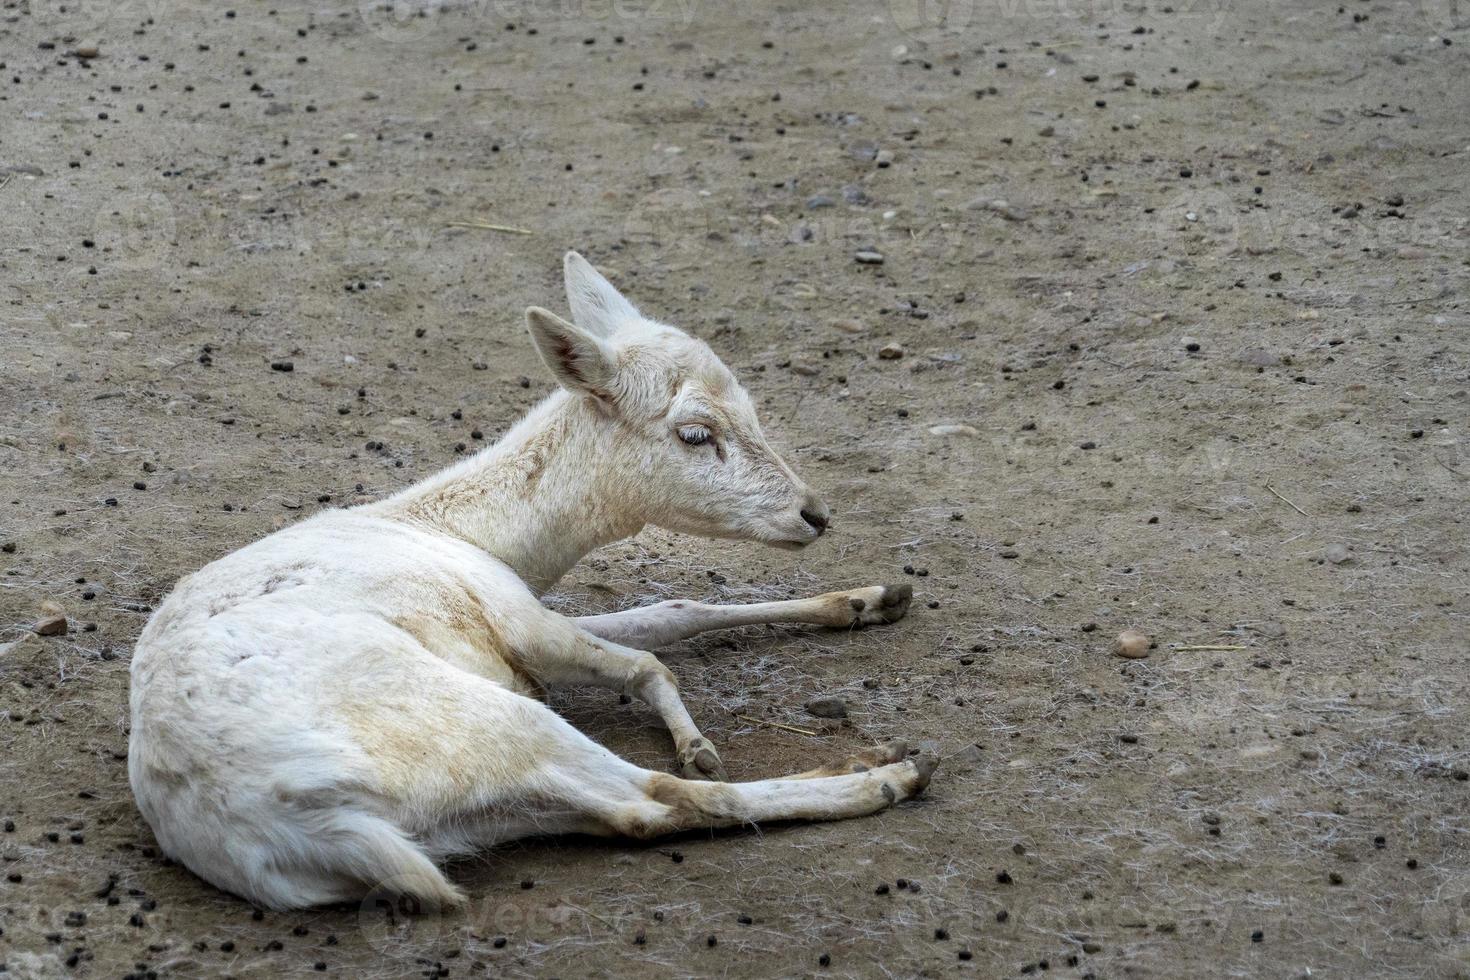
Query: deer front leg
(569, 655)
(667, 622)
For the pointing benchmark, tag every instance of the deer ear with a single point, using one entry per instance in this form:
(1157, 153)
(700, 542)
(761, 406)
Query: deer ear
(597, 306)
(581, 363)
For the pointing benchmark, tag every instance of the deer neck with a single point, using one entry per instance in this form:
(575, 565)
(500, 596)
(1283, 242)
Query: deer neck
(539, 499)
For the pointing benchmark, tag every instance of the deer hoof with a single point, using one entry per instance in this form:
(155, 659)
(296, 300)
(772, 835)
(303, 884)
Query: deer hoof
(699, 760)
(880, 604)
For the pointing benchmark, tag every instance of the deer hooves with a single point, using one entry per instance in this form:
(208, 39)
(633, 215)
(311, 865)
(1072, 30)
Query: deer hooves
(880, 604)
(699, 760)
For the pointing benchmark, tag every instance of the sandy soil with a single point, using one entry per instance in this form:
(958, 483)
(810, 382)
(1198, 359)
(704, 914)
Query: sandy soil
(1068, 196)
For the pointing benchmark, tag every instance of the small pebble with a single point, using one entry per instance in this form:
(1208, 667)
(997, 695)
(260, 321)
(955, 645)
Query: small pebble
(868, 257)
(1131, 644)
(890, 352)
(827, 707)
(55, 625)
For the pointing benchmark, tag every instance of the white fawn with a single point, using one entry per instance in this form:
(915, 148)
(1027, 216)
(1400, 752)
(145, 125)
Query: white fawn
(329, 711)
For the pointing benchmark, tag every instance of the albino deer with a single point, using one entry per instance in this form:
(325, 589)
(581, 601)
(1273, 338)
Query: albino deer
(334, 708)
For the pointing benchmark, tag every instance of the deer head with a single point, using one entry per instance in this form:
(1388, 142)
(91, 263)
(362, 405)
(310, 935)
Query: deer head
(682, 435)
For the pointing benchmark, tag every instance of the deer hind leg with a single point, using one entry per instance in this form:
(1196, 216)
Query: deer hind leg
(867, 759)
(609, 796)
(462, 763)
(577, 786)
(682, 804)
(668, 622)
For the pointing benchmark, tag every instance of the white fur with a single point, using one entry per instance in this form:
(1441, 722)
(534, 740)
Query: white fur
(333, 708)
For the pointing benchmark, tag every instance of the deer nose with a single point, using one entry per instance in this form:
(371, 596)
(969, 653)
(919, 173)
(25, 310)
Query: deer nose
(816, 514)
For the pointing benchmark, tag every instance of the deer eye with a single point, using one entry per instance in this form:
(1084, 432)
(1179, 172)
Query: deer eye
(694, 435)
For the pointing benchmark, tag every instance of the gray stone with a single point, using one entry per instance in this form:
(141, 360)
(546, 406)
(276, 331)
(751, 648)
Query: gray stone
(829, 707)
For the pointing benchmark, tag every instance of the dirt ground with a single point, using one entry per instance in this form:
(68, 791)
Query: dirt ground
(1181, 293)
